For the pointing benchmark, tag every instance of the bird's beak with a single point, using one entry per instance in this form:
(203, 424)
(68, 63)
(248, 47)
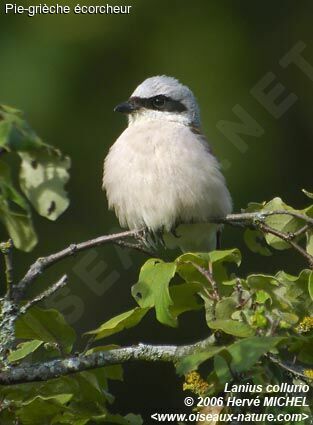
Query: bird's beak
(125, 108)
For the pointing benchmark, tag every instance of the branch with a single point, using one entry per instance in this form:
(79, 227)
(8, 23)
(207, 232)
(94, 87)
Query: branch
(45, 294)
(209, 277)
(260, 216)
(287, 238)
(295, 370)
(135, 246)
(60, 367)
(257, 220)
(43, 263)
(6, 249)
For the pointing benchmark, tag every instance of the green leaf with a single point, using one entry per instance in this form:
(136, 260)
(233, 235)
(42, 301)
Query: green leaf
(119, 323)
(282, 223)
(308, 194)
(43, 175)
(225, 308)
(47, 326)
(309, 242)
(14, 212)
(253, 240)
(185, 298)
(310, 284)
(19, 227)
(24, 349)
(39, 410)
(187, 271)
(246, 352)
(222, 370)
(93, 388)
(15, 133)
(228, 256)
(232, 327)
(152, 289)
(192, 361)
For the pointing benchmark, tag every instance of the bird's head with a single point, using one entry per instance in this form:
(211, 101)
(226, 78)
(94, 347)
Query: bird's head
(164, 98)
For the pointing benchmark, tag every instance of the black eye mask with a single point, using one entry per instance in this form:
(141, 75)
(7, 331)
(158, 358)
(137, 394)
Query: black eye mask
(158, 103)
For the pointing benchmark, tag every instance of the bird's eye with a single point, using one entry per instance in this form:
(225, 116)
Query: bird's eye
(158, 101)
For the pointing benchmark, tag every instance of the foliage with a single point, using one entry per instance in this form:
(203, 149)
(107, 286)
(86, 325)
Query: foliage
(258, 324)
(43, 172)
(254, 319)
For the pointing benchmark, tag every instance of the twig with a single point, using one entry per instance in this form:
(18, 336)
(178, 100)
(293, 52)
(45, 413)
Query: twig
(6, 249)
(209, 277)
(260, 215)
(45, 294)
(299, 232)
(135, 246)
(257, 220)
(285, 237)
(60, 367)
(43, 263)
(234, 219)
(239, 289)
(297, 371)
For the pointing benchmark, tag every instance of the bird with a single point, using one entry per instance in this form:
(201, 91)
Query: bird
(161, 174)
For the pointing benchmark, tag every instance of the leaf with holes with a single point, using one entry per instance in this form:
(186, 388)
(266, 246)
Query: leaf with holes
(253, 239)
(43, 176)
(152, 289)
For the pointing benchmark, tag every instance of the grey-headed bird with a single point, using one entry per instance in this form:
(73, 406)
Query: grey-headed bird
(160, 174)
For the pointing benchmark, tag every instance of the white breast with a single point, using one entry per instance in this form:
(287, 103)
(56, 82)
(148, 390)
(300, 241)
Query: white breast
(158, 174)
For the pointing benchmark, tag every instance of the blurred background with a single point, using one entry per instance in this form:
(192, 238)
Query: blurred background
(68, 72)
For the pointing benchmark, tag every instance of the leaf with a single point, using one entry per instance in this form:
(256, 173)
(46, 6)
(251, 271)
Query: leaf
(232, 327)
(310, 285)
(229, 256)
(38, 410)
(222, 370)
(43, 175)
(187, 271)
(225, 308)
(309, 242)
(152, 289)
(308, 194)
(15, 213)
(19, 227)
(24, 349)
(93, 388)
(283, 223)
(45, 325)
(185, 298)
(246, 352)
(253, 240)
(15, 132)
(119, 323)
(192, 361)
